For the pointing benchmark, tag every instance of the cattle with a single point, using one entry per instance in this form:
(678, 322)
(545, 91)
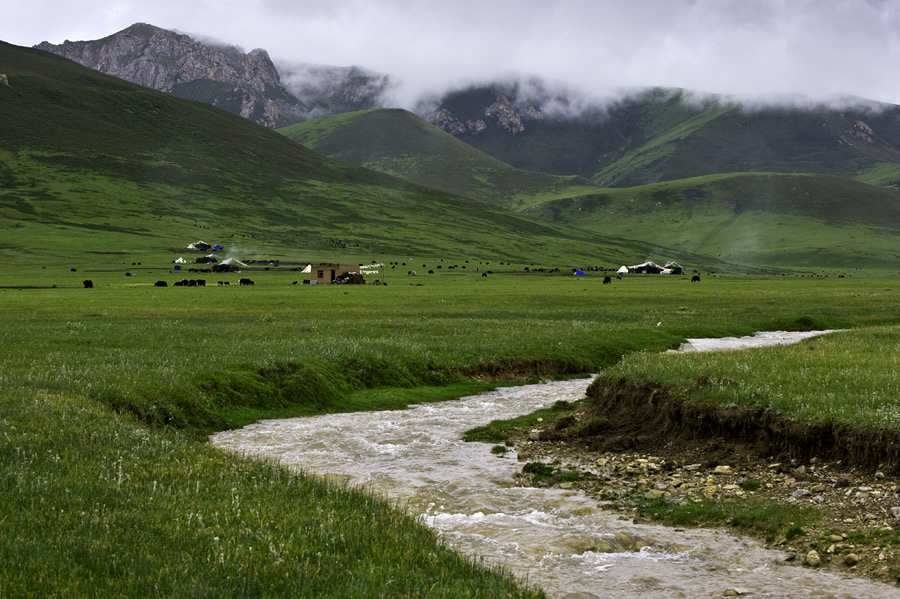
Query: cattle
(484, 274)
(695, 279)
(294, 283)
(160, 284)
(411, 273)
(201, 282)
(245, 282)
(88, 284)
(127, 274)
(607, 280)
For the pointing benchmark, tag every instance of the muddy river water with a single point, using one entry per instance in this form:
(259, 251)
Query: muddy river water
(557, 539)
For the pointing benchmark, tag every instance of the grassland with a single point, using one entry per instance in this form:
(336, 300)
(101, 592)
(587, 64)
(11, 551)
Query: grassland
(106, 491)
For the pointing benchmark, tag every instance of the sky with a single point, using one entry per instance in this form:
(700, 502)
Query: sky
(757, 49)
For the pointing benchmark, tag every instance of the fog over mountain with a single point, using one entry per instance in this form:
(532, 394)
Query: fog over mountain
(759, 49)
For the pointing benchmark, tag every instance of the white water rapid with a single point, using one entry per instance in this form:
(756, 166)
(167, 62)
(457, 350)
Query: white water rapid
(557, 539)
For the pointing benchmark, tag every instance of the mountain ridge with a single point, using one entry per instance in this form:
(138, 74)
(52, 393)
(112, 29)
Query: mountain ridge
(248, 84)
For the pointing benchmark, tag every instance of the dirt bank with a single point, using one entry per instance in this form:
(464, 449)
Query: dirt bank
(652, 417)
(636, 443)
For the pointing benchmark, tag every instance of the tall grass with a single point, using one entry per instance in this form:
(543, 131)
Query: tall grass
(100, 506)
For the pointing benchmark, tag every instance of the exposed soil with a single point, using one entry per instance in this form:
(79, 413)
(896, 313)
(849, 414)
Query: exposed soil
(653, 445)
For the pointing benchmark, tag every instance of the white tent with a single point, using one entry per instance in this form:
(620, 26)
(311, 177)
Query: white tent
(232, 262)
(623, 270)
(308, 268)
(180, 261)
(191, 246)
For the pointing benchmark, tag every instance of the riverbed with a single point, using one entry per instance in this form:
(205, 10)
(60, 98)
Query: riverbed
(558, 539)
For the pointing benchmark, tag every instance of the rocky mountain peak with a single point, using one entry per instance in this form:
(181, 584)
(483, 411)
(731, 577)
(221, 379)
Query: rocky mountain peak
(244, 83)
(248, 84)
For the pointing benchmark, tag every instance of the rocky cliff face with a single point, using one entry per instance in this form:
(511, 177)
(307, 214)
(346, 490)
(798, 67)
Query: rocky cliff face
(502, 113)
(247, 84)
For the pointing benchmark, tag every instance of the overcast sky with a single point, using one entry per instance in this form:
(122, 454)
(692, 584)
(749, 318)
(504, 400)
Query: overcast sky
(759, 48)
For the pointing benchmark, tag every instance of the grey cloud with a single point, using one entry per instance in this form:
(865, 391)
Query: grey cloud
(754, 48)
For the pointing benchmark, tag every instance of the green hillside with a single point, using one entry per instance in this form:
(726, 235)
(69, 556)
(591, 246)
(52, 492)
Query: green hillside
(852, 143)
(399, 143)
(813, 222)
(98, 170)
(668, 134)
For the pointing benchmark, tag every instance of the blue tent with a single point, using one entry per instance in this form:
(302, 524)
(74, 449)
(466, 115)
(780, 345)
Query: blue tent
(218, 247)
(579, 273)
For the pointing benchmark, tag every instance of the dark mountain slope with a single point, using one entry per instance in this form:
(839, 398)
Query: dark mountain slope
(399, 143)
(658, 135)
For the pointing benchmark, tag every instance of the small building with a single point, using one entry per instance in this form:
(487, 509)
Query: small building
(325, 274)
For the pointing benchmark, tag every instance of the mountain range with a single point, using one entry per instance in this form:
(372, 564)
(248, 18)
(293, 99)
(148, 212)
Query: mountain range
(96, 170)
(791, 185)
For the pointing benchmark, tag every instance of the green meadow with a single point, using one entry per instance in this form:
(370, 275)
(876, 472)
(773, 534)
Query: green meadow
(109, 488)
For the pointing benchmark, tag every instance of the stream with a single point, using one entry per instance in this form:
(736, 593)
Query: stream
(557, 539)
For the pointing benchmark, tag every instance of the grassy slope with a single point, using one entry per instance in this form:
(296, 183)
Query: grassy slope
(399, 143)
(793, 221)
(90, 163)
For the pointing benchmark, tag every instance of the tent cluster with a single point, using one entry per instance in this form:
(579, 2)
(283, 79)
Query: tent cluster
(203, 246)
(671, 268)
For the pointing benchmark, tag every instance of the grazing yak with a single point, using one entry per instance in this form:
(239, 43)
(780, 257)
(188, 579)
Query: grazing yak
(88, 284)
(607, 280)
(245, 282)
(160, 284)
(695, 279)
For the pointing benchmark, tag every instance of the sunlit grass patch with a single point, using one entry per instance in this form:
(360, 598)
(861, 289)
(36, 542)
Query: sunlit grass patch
(766, 519)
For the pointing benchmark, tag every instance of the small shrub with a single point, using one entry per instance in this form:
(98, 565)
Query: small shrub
(592, 426)
(750, 485)
(498, 449)
(793, 532)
